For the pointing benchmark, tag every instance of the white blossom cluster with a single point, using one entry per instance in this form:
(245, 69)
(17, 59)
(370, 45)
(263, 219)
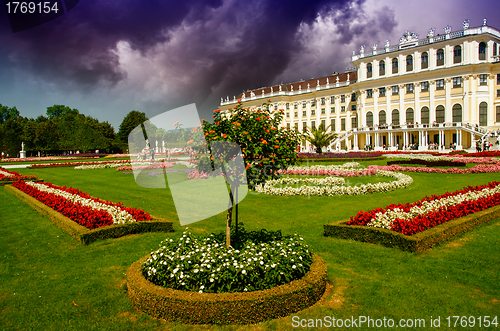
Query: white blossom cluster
(102, 166)
(340, 167)
(402, 181)
(387, 218)
(5, 173)
(187, 164)
(119, 215)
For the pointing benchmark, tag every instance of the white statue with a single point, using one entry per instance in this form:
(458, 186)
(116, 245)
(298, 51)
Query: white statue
(466, 24)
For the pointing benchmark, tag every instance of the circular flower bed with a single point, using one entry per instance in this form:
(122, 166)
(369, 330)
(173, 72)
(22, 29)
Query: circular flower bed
(266, 280)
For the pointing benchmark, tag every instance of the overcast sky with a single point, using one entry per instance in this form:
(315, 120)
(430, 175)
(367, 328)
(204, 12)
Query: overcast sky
(106, 58)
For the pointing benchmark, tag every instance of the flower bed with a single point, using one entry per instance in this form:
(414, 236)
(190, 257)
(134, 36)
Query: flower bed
(200, 281)
(9, 176)
(86, 235)
(343, 156)
(480, 168)
(80, 207)
(441, 163)
(430, 211)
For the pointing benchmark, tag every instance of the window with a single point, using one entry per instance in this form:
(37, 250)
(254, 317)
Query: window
(395, 90)
(425, 60)
(303, 104)
(483, 114)
(313, 124)
(323, 111)
(369, 93)
(296, 114)
(381, 68)
(409, 88)
(313, 112)
(287, 105)
(369, 70)
(498, 114)
(287, 114)
(440, 84)
(304, 125)
(482, 51)
(323, 124)
(313, 102)
(304, 113)
(296, 106)
(409, 115)
(381, 117)
(296, 125)
(440, 57)
(457, 54)
(342, 124)
(354, 122)
(275, 106)
(457, 113)
(498, 79)
(333, 128)
(353, 107)
(395, 117)
(288, 126)
(332, 99)
(395, 66)
(440, 114)
(369, 118)
(483, 79)
(424, 114)
(342, 109)
(381, 92)
(342, 98)
(457, 82)
(322, 101)
(409, 63)
(332, 110)
(353, 97)
(498, 93)
(495, 49)
(424, 86)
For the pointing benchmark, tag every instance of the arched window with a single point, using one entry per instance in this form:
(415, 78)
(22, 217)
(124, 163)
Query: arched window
(395, 66)
(425, 60)
(457, 54)
(369, 118)
(409, 63)
(381, 117)
(457, 113)
(395, 117)
(409, 115)
(483, 114)
(440, 57)
(440, 114)
(369, 70)
(424, 115)
(482, 51)
(381, 68)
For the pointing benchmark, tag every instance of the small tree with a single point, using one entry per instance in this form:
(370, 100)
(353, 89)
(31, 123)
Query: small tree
(319, 137)
(266, 147)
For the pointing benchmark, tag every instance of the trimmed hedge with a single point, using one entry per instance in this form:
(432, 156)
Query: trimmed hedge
(226, 308)
(87, 236)
(428, 163)
(417, 242)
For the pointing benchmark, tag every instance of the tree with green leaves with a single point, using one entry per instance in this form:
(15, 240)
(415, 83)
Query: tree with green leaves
(266, 147)
(60, 110)
(320, 137)
(130, 122)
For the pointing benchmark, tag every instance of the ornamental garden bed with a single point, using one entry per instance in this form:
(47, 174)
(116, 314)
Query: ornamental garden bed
(10, 176)
(428, 163)
(226, 308)
(425, 223)
(87, 235)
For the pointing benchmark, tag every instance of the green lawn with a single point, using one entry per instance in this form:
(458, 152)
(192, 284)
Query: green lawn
(49, 281)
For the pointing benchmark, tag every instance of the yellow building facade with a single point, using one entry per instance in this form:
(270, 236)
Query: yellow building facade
(437, 92)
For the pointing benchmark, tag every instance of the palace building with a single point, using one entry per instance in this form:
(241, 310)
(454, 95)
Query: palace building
(427, 93)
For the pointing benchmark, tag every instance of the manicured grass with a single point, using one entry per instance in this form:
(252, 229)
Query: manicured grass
(43, 270)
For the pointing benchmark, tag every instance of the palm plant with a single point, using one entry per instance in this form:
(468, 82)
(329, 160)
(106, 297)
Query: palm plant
(319, 137)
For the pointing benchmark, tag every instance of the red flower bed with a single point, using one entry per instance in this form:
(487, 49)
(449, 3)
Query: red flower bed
(14, 176)
(83, 215)
(436, 216)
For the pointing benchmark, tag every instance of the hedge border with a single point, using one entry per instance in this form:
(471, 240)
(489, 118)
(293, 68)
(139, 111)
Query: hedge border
(226, 308)
(354, 159)
(87, 236)
(418, 242)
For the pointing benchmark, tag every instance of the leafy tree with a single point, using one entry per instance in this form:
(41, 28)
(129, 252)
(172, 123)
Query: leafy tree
(60, 110)
(319, 137)
(6, 113)
(133, 119)
(266, 147)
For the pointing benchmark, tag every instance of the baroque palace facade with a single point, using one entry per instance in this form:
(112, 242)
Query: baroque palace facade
(428, 93)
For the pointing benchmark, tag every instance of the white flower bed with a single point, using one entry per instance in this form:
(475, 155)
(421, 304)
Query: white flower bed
(402, 181)
(101, 166)
(119, 216)
(385, 219)
(5, 173)
(342, 167)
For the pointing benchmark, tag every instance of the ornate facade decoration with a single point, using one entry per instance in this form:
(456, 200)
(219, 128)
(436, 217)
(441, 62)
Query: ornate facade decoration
(408, 37)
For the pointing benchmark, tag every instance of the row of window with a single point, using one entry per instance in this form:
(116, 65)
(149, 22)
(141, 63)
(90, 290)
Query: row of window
(332, 126)
(313, 102)
(424, 61)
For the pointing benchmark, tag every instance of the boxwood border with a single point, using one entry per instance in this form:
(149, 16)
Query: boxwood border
(226, 308)
(87, 236)
(418, 242)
